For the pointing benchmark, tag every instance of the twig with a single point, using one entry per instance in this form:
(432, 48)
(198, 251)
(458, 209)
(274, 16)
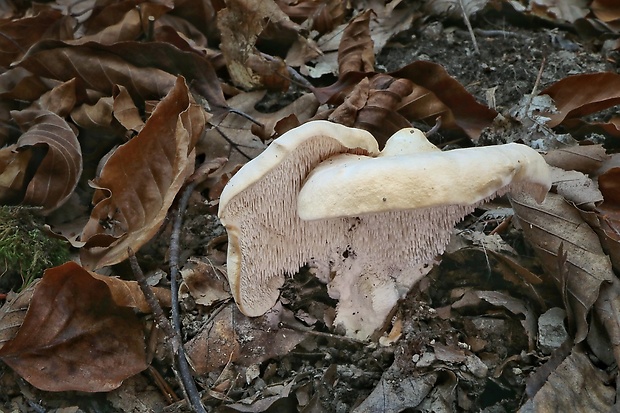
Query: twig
(233, 144)
(535, 88)
(160, 318)
(184, 369)
(469, 28)
(150, 33)
(294, 75)
(173, 332)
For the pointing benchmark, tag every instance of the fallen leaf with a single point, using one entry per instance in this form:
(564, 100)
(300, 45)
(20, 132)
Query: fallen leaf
(562, 10)
(140, 180)
(577, 188)
(60, 168)
(75, 336)
(394, 396)
(355, 51)
(583, 158)
(240, 24)
(597, 91)
(574, 386)
(234, 337)
(19, 34)
(554, 226)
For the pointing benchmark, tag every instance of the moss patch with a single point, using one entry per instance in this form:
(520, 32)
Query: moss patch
(25, 249)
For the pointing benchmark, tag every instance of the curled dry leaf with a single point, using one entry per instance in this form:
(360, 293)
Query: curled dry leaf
(147, 70)
(140, 180)
(421, 91)
(605, 219)
(597, 91)
(60, 166)
(554, 226)
(355, 52)
(322, 16)
(76, 334)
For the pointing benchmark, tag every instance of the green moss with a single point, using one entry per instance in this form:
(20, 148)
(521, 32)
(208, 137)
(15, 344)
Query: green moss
(25, 249)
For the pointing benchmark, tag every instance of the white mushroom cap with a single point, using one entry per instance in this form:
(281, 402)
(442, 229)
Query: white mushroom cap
(397, 180)
(266, 238)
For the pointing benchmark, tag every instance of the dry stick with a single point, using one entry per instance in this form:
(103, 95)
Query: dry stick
(184, 368)
(469, 28)
(232, 144)
(160, 318)
(535, 88)
(184, 376)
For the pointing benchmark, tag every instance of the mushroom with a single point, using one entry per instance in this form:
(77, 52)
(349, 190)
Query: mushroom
(266, 238)
(323, 194)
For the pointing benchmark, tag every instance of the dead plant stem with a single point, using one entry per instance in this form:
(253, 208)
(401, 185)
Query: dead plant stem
(184, 369)
(469, 28)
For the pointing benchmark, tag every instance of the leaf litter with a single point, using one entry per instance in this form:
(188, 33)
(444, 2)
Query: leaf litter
(108, 110)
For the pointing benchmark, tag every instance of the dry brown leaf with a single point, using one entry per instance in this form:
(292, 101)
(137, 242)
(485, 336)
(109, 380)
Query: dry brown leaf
(118, 22)
(420, 91)
(75, 336)
(372, 105)
(125, 110)
(607, 309)
(452, 8)
(574, 386)
(13, 169)
(607, 11)
(355, 52)
(17, 35)
(140, 180)
(463, 113)
(583, 158)
(319, 15)
(99, 69)
(147, 70)
(597, 91)
(12, 313)
(60, 100)
(234, 337)
(576, 187)
(566, 10)
(242, 135)
(605, 219)
(240, 23)
(554, 226)
(58, 172)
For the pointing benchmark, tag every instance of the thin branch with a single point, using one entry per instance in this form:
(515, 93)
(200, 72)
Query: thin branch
(184, 369)
(160, 318)
(173, 332)
(469, 28)
(233, 144)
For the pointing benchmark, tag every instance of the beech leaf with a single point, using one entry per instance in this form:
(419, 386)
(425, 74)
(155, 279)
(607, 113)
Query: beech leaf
(555, 226)
(59, 171)
(597, 91)
(140, 180)
(75, 336)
